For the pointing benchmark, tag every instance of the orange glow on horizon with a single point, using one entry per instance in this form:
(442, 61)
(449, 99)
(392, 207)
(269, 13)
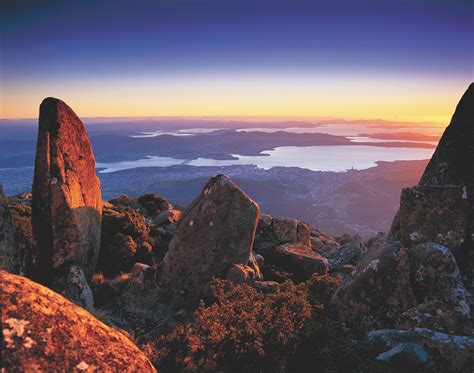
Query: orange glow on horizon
(285, 97)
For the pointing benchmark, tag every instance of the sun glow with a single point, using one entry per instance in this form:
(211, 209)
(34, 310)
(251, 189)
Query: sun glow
(288, 95)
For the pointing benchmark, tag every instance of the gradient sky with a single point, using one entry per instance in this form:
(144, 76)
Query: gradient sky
(404, 60)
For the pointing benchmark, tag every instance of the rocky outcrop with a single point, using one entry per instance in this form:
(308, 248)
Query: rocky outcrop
(42, 331)
(379, 290)
(441, 208)
(67, 203)
(215, 232)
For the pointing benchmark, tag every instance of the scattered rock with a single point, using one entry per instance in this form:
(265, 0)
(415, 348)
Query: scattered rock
(215, 232)
(67, 203)
(347, 250)
(42, 331)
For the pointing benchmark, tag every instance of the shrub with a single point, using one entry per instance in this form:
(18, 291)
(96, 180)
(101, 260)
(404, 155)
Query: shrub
(244, 330)
(321, 288)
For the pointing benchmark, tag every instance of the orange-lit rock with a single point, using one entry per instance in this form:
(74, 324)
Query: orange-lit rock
(67, 203)
(42, 331)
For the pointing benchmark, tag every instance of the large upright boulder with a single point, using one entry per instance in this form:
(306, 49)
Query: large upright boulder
(67, 203)
(42, 331)
(215, 232)
(441, 208)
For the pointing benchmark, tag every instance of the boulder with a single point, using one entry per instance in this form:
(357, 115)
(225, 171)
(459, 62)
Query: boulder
(406, 356)
(299, 260)
(285, 229)
(438, 288)
(323, 243)
(303, 233)
(140, 272)
(167, 217)
(215, 232)
(449, 352)
(66, 197)
(379, 290)
(434, 213)
(42, 331)
(267, 287)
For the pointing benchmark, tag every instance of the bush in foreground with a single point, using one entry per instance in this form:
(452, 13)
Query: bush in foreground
(244, 330)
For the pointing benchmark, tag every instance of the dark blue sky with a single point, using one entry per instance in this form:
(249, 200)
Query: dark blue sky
(64, 42)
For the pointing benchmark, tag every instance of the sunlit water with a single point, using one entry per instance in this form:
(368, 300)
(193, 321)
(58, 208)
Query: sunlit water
(316, 158)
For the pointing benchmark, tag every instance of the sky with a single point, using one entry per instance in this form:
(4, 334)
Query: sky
(352, 59)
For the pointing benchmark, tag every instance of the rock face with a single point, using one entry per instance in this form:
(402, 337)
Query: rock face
(379, 290)
(42, 331)
(441, 208)
(215, 232)
(67, 203)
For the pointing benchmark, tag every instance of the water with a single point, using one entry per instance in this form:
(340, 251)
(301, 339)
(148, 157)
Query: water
(316, 158)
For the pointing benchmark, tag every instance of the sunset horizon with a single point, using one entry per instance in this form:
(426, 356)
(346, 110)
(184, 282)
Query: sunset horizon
(237, 186)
